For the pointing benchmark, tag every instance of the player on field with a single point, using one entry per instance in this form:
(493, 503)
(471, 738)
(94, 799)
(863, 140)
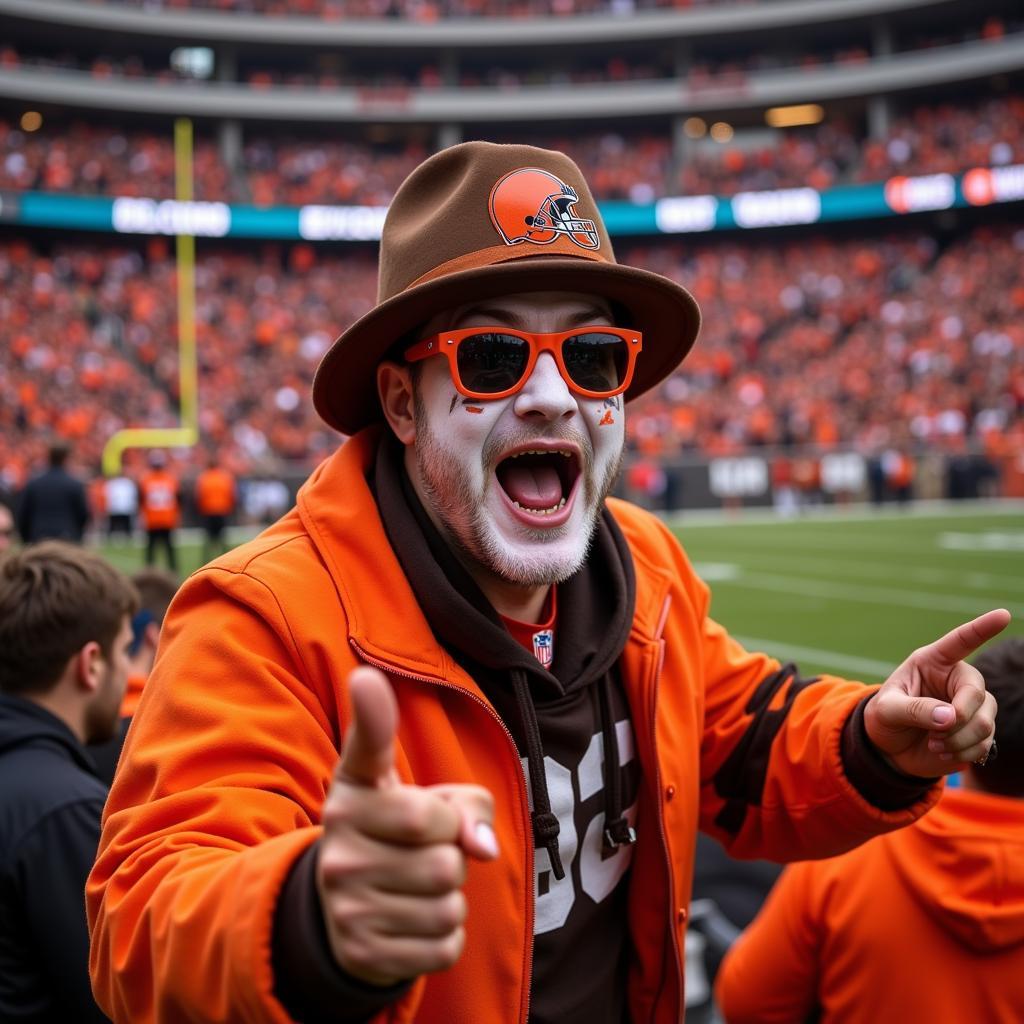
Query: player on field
(533, 710)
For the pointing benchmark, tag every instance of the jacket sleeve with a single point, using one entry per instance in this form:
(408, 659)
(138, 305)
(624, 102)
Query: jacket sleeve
(51, 863)
(770, 975)
(217, 797)
(777, 779)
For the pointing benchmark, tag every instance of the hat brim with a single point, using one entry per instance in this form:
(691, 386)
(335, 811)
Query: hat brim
(345, 385)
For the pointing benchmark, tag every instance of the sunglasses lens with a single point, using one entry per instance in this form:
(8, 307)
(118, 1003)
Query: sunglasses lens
(492, 363)
(596, 361)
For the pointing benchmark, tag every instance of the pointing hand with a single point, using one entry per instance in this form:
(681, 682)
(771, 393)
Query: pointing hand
(392, 859)
(933, 715)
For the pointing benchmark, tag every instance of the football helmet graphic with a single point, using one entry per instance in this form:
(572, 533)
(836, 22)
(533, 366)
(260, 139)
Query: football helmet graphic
(531, 205)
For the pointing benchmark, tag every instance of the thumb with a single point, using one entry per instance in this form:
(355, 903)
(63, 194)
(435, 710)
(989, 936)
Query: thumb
(368, 756)
(902, 711)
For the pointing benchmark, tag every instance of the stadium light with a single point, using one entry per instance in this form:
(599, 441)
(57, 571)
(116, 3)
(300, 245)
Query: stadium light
(791, 117)
(193, 61)
(31, 121)
(721, 131)
(695, 127)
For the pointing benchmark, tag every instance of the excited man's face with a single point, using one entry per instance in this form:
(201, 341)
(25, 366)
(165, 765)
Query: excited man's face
(516, 484)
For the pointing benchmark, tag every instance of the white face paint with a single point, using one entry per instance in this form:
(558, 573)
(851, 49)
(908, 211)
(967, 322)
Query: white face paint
(468, 452)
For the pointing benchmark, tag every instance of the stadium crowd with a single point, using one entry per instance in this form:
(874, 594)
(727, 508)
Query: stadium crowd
(94, 159)
(423, 10)
(793, 350)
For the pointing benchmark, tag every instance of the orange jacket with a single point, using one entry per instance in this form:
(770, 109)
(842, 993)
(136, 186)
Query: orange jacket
(215, 492)
(925, 924)
(238, 730)
(158, 499)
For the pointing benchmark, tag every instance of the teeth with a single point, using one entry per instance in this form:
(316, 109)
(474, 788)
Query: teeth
(542, 451)
(541, 511)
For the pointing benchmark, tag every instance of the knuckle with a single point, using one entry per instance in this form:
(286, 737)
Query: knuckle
(415, 820)
(451, 911)
(449, 949)
(338, 865)
(446, 866)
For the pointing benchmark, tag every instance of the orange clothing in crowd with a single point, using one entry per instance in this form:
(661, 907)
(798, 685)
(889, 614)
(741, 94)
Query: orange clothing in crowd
(132, 693)
(924, 924)
(158, 500)
(215, 492)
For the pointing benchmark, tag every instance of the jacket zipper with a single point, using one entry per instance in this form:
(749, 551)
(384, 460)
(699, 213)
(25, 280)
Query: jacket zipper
(387, 667)
(662, 835)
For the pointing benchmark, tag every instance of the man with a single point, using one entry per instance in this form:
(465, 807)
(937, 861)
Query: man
(53, 504)
(944, 899)
(64, 634)
(215, 502)
(516, 843)
(156, 589)
(160, 503)
(121, 502)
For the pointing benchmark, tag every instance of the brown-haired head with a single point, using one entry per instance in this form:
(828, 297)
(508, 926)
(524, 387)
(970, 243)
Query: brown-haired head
(54, 599)
(1002, 665)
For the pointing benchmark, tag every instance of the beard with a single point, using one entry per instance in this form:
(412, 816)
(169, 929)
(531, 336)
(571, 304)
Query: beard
(103, 715)
(536, 557)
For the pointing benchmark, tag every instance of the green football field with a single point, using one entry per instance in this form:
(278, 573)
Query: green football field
(850, 593)
(854, 593)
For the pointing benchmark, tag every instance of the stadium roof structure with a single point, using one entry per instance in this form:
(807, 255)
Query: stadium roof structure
(208, 26)
(907, 70)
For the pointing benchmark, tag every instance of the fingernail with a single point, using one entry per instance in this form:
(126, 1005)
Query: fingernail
(943, 716)
(486, 838)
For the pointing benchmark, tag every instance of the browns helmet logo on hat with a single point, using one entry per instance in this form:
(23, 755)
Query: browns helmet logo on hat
(438, 249)
(532, 205)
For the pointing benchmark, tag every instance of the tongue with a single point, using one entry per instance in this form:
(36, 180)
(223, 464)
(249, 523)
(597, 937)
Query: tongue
(533, 486)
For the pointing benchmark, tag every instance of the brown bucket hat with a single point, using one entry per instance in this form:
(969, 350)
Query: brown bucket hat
(479, 220)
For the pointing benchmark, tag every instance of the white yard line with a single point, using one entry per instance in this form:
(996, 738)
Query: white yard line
(815, 566)
(870, 668)
(849, 513)
(878, 596)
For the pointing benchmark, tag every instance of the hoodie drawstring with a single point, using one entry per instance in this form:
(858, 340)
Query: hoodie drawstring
(617, 831)
(545, 824)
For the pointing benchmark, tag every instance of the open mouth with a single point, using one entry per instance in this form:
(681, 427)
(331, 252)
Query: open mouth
(539, 481)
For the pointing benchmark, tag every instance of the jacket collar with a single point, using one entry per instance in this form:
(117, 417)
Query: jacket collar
(338, 510)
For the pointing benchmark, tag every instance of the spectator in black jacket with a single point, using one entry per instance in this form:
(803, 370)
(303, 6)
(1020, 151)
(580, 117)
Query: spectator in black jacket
(65, 629)
(53, 504)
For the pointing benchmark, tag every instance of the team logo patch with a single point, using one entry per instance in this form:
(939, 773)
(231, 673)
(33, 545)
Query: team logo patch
(531, 205)
(543, 646)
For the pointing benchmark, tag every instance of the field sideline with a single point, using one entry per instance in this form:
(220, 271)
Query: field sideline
(850, 592)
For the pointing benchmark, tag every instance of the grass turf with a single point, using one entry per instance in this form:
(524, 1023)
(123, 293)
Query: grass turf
(851, 592)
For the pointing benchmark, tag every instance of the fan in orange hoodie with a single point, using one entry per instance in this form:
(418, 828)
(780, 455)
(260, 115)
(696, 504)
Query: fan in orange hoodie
(926, 923)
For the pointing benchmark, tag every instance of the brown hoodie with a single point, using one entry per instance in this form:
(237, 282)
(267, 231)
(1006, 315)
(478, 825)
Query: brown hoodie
(922, 924)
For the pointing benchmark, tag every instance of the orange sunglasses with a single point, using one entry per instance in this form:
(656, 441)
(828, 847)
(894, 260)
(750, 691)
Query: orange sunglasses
(495, 362)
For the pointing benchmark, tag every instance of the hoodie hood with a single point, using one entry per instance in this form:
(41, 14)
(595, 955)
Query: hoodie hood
(964, 864)
(24, 723)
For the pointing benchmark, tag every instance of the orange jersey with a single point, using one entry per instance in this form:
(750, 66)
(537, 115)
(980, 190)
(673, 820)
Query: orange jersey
(215, 492)
(158, 499)
(924, 924)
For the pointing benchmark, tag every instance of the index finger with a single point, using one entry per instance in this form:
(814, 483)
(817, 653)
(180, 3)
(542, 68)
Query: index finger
(958, 643)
